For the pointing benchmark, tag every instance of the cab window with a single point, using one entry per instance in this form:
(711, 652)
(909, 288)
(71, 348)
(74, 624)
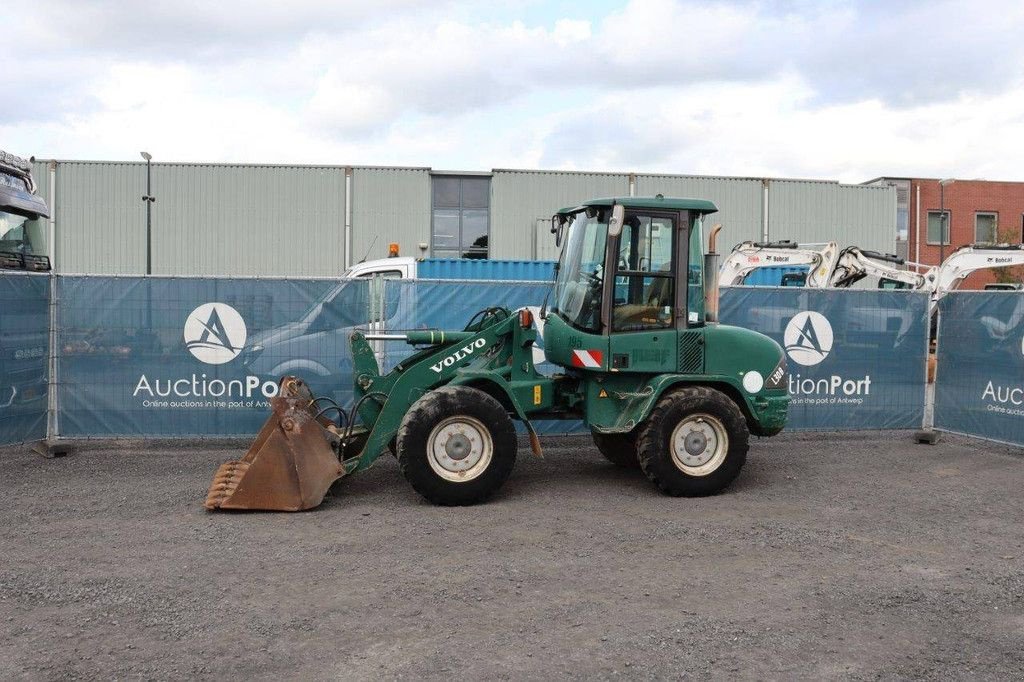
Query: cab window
(644, 295)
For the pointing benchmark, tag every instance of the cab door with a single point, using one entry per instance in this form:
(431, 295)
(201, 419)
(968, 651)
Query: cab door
(643, 313)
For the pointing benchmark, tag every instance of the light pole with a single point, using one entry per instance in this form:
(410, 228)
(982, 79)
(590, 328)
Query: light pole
(943, 221)
(149, 199)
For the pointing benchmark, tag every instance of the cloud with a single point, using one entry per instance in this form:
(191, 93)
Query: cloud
(777, 128)
(789, 87)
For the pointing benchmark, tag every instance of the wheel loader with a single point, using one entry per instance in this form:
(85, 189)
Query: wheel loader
(631, 320)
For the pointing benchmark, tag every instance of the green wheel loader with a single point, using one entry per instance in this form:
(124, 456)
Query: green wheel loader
(632, 319)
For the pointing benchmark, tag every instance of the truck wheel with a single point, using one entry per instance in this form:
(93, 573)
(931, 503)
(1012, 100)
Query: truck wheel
(694, 442)
(456, 446)
(618, 448)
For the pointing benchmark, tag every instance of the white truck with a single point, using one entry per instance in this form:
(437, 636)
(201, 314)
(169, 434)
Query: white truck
(298, 347)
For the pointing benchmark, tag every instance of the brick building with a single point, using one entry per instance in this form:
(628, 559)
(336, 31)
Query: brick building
(976, 211)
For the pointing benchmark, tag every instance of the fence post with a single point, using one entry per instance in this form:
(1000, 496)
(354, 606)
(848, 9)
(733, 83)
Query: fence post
(52, 447)
(928, 435)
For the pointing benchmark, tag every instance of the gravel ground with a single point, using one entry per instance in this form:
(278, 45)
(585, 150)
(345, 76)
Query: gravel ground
(833, 556)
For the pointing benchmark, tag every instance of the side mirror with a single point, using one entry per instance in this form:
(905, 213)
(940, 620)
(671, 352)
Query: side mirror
(615, 223)
(558, 228)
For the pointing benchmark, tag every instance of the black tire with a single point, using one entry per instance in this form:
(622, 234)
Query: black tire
(449, 409)
(618, 448)
(705, 411)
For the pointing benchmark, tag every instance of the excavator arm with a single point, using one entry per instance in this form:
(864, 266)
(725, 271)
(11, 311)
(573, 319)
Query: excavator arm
(749, 256)
(973, 257)
(854, 264)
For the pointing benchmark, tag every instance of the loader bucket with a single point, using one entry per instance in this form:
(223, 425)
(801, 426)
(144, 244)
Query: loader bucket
(289, 467)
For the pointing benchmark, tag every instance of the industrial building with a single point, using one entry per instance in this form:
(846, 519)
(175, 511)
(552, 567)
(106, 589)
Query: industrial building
(271, 220)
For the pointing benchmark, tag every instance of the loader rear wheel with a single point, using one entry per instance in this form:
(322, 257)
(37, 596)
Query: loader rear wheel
(456, 446)
(694, 442)
(618, 448)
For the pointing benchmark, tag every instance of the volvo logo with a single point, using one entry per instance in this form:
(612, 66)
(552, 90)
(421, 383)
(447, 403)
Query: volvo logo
(808, 338)
(215, 333)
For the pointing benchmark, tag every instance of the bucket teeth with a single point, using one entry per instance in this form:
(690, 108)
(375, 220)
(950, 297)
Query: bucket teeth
(225, 482)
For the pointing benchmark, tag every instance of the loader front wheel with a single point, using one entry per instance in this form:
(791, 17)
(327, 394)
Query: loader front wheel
(694, 442)
(618, 448)
(456, 446)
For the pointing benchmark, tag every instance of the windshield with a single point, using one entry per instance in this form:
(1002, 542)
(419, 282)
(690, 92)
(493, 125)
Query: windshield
(12, 233)
(577, 292)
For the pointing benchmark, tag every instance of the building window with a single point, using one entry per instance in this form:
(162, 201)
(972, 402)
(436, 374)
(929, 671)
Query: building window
(985, 228)
(461, 216)
(935, 225)
(902, 209)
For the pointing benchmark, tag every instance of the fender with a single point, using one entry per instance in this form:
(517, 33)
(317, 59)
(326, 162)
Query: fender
(636, 404)
(477, 379)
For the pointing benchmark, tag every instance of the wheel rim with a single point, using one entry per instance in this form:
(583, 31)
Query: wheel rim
(459, 449)
(699, 444)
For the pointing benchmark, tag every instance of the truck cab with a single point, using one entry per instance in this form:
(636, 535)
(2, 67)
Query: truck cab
(20, 209)
(23, 319)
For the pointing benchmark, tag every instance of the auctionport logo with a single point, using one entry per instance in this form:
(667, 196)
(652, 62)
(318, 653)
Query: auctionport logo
(215, 333)
(808, 338)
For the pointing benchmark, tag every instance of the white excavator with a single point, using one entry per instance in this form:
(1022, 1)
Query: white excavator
(746, 257)
(971, 258)
(852, 264)
(831, 268)
(855, 264)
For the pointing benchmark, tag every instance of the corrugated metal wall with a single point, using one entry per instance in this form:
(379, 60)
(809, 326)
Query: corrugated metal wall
(740, 202)
(207, 219)
(809, 211)
(390, 205)
(522, 199)
(248, 220)
(290, 220)
(101, 219)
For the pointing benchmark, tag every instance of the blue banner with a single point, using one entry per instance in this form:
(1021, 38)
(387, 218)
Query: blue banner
(183, 357)
(201, 357)
(857, 358)
(24, 356)
(979, 383)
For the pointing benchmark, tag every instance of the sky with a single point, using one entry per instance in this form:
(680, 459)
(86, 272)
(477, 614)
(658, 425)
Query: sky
(832, 89)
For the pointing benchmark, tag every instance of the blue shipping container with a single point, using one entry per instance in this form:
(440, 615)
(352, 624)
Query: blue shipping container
(479, 269)
(772, 277)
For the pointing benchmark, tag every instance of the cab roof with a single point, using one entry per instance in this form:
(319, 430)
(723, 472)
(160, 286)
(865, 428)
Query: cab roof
(655, 202)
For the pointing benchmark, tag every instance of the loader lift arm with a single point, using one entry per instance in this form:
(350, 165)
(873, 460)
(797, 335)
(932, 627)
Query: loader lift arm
(749, 256)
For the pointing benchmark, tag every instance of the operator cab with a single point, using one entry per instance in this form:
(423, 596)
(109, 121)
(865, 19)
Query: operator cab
(631, 264)
(629, 283)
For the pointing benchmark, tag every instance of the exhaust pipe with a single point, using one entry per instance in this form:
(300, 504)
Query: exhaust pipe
(711, 264)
